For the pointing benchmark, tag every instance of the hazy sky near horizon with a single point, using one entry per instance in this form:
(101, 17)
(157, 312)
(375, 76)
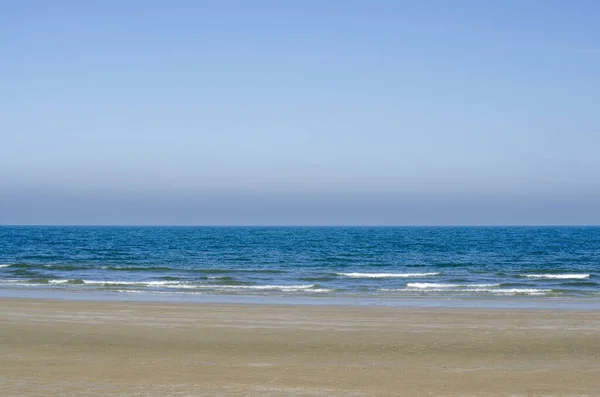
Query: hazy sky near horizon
(299, 112)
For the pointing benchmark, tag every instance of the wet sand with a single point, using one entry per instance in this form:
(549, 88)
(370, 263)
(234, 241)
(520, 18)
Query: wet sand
(69, 348)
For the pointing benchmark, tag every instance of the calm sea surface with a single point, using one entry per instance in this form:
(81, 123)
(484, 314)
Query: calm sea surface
(550, 263)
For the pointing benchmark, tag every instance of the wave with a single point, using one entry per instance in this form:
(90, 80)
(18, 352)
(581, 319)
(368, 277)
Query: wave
(138, 268)
(557, 276)
(264, 288)
(520, 291)
(20, 283)
(21, 266)
(387, 275)
(494, 289)
(39, 281)
(4, 265)
(442, 286)
(227, 284)
(109, 283)
(142, 283)
(76, 281)
(285, 288)
(487, 291)
(227, 291)
(313, 288)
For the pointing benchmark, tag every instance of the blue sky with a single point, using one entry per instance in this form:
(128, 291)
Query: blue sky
(300, 112)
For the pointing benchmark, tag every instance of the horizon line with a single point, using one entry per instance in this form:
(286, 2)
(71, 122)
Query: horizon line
(294, 226)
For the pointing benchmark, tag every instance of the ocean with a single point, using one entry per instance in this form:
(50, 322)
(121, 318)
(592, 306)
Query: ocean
(364, 265)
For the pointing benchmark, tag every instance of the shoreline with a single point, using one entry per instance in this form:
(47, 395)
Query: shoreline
(102, 348)
(453, 302)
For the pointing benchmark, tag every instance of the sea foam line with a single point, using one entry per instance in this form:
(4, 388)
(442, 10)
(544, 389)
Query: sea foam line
(493, 291)
(281, 288)
(179, 285)
(118, 282)
(13, 282)
(387, 275)
(261, 287)
(443, 286)
(557, 276)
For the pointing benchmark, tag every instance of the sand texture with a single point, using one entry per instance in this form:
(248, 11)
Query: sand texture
(63, 348)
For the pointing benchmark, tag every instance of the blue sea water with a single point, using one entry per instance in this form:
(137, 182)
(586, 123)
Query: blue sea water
(353, 263)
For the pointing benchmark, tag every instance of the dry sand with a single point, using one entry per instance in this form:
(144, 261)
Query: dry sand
(61, 348)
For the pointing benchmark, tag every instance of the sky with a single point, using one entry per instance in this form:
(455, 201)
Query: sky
(190, 112)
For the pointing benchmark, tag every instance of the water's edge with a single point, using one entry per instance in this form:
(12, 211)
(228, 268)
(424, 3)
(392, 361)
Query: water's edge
(513, 303)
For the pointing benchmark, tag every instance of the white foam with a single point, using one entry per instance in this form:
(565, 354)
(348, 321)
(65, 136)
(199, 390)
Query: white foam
(444, 286)
(282, 288)
(557, 276)
(4, 265)
(57, 281)
(118, 282)
(160, 283)
(493, 291)
(285, 288)
(386, 275)
(216, 290)
(523, 291)
(13, 283)
(177, 284)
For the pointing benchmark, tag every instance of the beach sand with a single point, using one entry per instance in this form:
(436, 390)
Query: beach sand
(70, 348)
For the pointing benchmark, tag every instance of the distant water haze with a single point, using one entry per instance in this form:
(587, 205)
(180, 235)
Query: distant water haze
(103, 209)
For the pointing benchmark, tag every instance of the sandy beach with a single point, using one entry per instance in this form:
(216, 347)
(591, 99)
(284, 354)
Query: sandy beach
(70, 348)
